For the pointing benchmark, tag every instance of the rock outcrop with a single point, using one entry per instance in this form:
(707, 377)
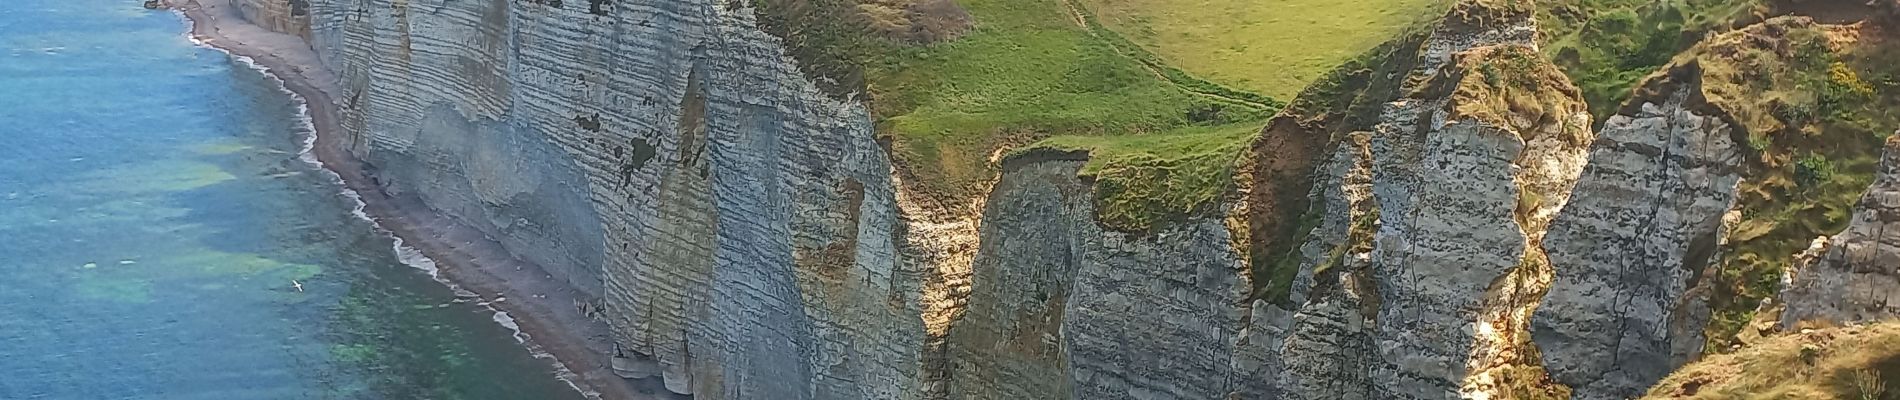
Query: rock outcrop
(1061, 308)
(1425, 265)
(1642, 224)
(1854, 276)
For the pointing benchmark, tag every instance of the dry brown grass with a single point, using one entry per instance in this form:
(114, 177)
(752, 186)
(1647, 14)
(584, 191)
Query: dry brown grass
(1860, 362)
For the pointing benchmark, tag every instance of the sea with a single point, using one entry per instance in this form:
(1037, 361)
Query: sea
(164, 234)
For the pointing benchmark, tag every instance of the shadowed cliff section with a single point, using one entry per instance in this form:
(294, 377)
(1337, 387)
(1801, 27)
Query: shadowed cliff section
(1275, 175)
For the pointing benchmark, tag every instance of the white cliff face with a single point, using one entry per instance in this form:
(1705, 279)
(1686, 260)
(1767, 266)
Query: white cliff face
(1327, 346)
(741, 228)
(1425, 251)
(289, 16)
(742, 231)
(1439, 247)
(1642, 223)
(1061, 308)
(1852, 277)
(1452, 240)
(663, 156)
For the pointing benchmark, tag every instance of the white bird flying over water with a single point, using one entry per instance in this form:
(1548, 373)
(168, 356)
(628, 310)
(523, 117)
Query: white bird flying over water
(298, 285)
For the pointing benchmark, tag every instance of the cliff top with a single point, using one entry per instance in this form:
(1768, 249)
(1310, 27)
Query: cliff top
(1514, 87)
(1609, 46)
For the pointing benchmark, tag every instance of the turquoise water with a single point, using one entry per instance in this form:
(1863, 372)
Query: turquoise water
(154, 213)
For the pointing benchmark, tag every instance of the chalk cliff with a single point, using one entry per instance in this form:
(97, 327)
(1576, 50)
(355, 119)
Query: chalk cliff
(665, 158)
(1440, 219)
(1644, 220)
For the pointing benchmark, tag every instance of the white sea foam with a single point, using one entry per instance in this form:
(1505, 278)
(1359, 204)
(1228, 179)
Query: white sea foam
(408, 255)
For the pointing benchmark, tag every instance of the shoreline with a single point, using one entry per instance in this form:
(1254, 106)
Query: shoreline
(539, 310)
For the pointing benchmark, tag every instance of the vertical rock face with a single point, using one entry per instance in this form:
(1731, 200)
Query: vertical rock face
(741, 228)
(1327, 345)
(1035, 235)
(1457, 193)
(663, 156)
(1852, 277)
(288, 16)
(1061, 308)
(1425, 264)
(1642, 224)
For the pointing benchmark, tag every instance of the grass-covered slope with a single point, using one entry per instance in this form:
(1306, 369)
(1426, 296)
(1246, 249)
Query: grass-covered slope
(1030, 69)
(1815, 102)
(1608, 46)
(1853, 363)
(1273, 47)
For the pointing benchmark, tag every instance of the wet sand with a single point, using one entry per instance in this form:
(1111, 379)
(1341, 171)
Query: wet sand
(542, 307)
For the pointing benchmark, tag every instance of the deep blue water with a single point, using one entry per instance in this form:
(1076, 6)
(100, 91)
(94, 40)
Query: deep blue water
(154, 212)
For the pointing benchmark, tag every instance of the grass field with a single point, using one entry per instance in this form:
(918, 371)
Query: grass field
(1274, 47)
(1028, 71)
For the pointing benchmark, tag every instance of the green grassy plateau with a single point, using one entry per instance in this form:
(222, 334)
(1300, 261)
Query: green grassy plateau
(1272, 47)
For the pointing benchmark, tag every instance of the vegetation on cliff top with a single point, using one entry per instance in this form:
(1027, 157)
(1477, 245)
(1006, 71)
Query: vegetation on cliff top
(951, 104)
(1858, 363)
(1142, 180)
(1512, 86)
(1276, 48)
(1608, 46)
(1814, 102)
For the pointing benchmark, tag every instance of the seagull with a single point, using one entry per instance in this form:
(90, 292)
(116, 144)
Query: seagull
(299, 286)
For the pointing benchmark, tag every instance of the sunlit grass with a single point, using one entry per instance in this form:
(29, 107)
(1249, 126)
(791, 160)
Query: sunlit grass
(1274, 47)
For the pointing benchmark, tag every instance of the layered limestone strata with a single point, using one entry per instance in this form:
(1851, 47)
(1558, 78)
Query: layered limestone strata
(1327, 347)
(1061, 308)
(1463, 193)
(743, 232)
(1424, 265)
(1852, 277)
(1642, 224)
(741, 228)
(665, 157)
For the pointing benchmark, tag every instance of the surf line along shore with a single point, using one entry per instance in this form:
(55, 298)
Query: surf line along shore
(540, 307)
